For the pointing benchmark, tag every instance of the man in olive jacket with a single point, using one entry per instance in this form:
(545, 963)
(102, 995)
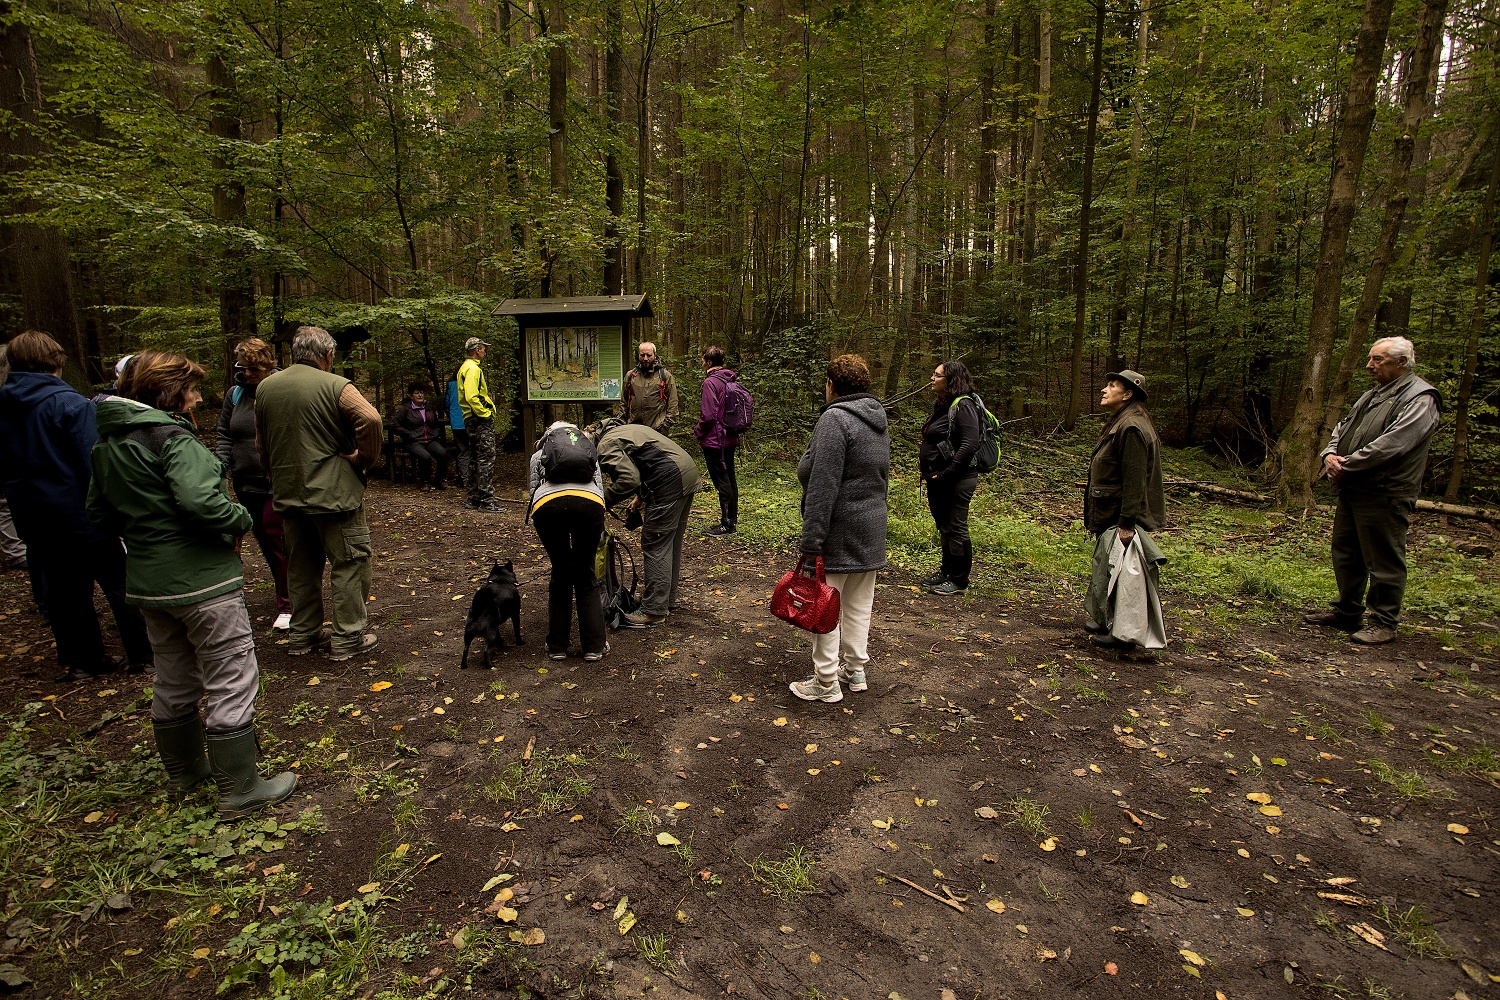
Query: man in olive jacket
(317, 434)
(1124, 495)
(1377, 457)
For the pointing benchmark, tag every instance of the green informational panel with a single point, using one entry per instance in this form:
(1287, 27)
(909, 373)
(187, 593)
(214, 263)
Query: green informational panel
(574, 363)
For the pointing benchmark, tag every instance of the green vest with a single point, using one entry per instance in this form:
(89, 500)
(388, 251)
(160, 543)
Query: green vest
(305, 435)
(1369, 418)
(1113, 490)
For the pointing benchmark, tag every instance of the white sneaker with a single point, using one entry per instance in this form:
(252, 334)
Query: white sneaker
(812, 690)
(283, 622)
(853, 679)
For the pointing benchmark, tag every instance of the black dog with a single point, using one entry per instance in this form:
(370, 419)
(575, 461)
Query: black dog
(498, 600)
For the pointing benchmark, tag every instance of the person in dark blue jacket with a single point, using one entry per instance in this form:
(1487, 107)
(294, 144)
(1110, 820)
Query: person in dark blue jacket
(46, 435)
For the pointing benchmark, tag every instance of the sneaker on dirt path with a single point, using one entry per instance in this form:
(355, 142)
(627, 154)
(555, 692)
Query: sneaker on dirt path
(366, 641)
(642, 619)
(812, 690)
(945, 589)
(719, 531)
(486, 506)
(283, 622)
(1110, 642)
(1331, 619)
(1374, 635)
(596, 657)
(931, 581)
(854, 680)
(561, 655)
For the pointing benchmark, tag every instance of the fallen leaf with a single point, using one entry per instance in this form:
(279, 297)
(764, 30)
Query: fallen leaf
(93, 817)
(314, 681)
(1193, 957)
(1369, 934)
(680, 805)
(439, 710)
(1457, 828)
(1244, 911)
(506, 914)
(996, 905)
(814, 958)
(810, 748)
(782, 805)
(509, 827)
(380, 685)
(667, 840)
(1259, 797)
(1192, 971)
(1045, 954)
(1180, 881)
(368, 887)
(1243, 853)
(779, 722)
(1270, 810)
(1474, 972)
(881, 824)
(506, 877)
(1341, 880)
(815, 771)
(1050, 844)
(1111, 969)
(533, 937)
(460, 938)
(576, 818)
(626, 922)
(986, 812)
(1279, 761)
(200, 953)
(1139, 898)
(1339, 897)
(132, 952)
(736, 697)
(621, 908)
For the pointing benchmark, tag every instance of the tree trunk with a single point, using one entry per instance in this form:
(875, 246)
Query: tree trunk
(1298, 446)
(557, 114)
(1424, 54)
(1477, 319)
(984, 194)
(38, 253)
(236, 287)
(650, 26)
(1117, 308)
(614, 175)
(1081, 269)
(1033, 187)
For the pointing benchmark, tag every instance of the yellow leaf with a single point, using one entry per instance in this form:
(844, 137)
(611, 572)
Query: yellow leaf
(1457, 828)
(1049, 845)
(1192, 956)
(881, 824)
(368, 887)
(1244, 911)
(627, 922)
(132, 952)
(736, 697)
(505, 895)
(1192, 972)
(680, 805)
(1260, 797)
(576, 818)
(667, 840)
(1139, 898)
(1279, 761)
(314, 681)
(621, 908)
(815, 770)
(200, 953)
(509, 827)
(814, 957)
(810, 748)
(93, 817)
(533, 937)
(779, 722)
(995, 905)
(496, 881)
(439, 710)
(1270, 810)
(380, 685)
(433, 858)
(506, 914)
(1243, 853)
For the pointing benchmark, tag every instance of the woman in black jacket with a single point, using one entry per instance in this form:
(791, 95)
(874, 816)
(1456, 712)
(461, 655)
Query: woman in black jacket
(421, 427)
(950, 438)
(235, 447)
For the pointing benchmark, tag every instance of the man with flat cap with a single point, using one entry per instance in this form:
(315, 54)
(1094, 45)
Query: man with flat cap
(479, 421)
(1122, 504)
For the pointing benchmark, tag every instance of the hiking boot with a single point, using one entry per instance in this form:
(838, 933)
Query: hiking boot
(641, 619)
(486, 506)
(1331, 619)
(181, 746)
(1374, 635)
(854, 680)
(931, 581)
(814, 690)
(1094, 628)
(1110, 642)
(946, 588)
(320, 640)
(719, 531)
(366, 641)
(232, 757)
(596, 657)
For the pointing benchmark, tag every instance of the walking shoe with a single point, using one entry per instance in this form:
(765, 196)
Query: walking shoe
(854, 680)
(232, 756)
(946, 588)
(563, 655)
(181, 747)
(719, 531)
(1110, 642)
(283, 622)
(1374, 635)
(486, 506)
(366, 641)
(1331, 619)
(642, 619)
(319, 643)
(106, 666)
(814, 690)
(1094, 628)
(596, 657)
(931, 581)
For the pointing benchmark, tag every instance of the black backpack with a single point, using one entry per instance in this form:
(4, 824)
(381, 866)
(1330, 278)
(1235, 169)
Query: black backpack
(568, 456)
(611, 564)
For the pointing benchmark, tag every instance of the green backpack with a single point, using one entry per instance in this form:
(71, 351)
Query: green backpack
(988, 455)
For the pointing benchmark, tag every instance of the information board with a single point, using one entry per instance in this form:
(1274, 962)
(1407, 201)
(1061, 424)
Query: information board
(574, 363)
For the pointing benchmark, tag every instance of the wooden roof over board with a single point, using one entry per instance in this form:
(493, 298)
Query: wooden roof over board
(622, 306)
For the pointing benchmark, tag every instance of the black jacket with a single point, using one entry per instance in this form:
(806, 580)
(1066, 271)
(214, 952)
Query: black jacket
(235, 444)
(414, 428)
(934, 453)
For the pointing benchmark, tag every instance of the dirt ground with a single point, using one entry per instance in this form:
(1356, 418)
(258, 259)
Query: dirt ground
(1006, 812)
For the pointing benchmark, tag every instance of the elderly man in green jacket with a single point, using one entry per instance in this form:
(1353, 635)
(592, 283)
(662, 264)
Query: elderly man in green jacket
(317, 434)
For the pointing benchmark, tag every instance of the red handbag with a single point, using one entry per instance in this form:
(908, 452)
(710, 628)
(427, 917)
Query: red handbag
(805, 599)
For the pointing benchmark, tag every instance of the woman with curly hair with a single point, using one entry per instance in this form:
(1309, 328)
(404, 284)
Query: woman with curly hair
(950, 439)
(163, 491)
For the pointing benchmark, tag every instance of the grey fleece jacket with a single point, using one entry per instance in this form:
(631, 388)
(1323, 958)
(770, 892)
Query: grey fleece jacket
(845, 474)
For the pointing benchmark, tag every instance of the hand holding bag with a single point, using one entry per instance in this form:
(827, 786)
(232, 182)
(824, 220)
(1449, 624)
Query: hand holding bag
(805, 599)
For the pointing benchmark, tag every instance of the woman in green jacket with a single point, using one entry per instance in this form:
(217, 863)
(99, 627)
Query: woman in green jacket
(161, 490)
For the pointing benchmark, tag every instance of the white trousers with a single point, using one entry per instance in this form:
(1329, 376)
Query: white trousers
(850, 641)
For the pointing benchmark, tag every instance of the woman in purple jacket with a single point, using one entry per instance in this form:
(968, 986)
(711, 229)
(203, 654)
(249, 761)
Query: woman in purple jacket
(717, 443)
(421, 427)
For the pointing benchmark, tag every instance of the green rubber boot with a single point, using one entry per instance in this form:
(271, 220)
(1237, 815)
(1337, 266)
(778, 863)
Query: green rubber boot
(233, 754)
(180, 744)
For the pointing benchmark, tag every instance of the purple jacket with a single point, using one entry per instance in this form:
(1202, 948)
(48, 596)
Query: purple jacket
(710, 430)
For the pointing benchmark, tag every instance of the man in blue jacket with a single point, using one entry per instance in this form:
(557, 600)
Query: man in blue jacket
(46, 435)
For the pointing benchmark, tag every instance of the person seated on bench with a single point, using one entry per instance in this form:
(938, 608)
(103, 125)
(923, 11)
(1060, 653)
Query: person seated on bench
(421, 429)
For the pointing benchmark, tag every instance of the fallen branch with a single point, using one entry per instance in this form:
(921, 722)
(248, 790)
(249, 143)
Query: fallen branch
(1430, 506)
(926, 892)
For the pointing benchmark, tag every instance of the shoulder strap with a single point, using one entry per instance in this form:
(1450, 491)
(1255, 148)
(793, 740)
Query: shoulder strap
(155, 437)
(235, 394)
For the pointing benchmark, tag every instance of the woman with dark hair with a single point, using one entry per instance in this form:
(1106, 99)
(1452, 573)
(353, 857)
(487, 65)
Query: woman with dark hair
(159, 488)
(254, 359)
(421, 427)
(46, 433)
(950, 438)
(845, 476)
(717, 442)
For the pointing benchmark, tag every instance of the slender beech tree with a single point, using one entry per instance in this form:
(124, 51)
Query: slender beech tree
(1085, 208)
(236, 286)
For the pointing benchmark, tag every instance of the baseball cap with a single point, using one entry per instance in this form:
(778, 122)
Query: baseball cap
(474, 342)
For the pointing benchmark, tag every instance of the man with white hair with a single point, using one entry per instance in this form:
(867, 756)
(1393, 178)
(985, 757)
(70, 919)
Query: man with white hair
(317, 435)
(650, 395)
(1377, 457)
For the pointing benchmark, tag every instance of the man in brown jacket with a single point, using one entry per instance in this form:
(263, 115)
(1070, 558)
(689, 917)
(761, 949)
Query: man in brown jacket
(1124, 495)
(317, 434)
(650, 396)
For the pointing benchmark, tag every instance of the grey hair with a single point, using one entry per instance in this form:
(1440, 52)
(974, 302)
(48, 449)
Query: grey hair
(559, 423)
(1399, 348)
(312, 343)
